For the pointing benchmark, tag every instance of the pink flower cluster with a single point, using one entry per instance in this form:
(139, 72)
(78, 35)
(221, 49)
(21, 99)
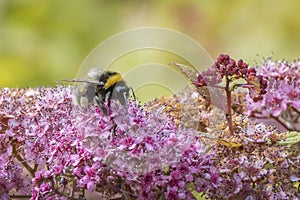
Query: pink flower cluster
(52, 150)
(283, 88)
(30, 122)
(282, 100)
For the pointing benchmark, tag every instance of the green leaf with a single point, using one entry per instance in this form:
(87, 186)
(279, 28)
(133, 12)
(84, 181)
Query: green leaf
(197, 195)
(296, 184)
(293, 138)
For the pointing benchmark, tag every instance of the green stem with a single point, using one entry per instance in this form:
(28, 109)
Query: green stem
(274, 118)
(229, 102)
(281, 123)
(20, 159)
(217, 86)
(295, 110)
(19, 196)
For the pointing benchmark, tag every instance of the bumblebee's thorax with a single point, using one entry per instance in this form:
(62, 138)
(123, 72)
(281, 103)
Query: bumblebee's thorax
(110, 79)
(113, 87)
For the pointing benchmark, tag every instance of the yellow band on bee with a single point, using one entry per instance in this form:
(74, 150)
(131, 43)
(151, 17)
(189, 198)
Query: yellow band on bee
(112, 80)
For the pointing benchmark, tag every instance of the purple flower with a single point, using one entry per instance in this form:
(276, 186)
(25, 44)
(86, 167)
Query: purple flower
(45, 188)
(4, 196)
(172, 193)
(282, 89)
(91, 176)
(182, 195)
(147, 179)
(145, 195)
(214, 178)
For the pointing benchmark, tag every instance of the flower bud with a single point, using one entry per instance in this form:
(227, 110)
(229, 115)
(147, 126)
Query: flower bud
(251, 70)
(263, 91)
(240, 63)
(244, 71)
(258, 98)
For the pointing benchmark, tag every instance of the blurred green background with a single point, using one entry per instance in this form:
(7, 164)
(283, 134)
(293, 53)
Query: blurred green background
(44, 41)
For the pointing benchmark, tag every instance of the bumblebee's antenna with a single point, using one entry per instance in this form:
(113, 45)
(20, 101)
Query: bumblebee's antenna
(82, 81)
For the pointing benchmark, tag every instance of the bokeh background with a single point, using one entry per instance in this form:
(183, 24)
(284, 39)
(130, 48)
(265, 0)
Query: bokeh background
(44, 41)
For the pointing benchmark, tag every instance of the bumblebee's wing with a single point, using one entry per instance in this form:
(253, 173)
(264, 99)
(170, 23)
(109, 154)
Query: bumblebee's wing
(84, 91)
(84, 94)
(95, 74)
(121, 92)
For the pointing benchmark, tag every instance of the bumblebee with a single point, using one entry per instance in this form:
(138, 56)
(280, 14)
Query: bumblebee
(100, 87)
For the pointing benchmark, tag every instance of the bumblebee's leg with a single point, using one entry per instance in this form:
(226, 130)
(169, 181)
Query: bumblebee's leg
(133, 94)
(108, 96)
(107, 99)
(100, 101)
